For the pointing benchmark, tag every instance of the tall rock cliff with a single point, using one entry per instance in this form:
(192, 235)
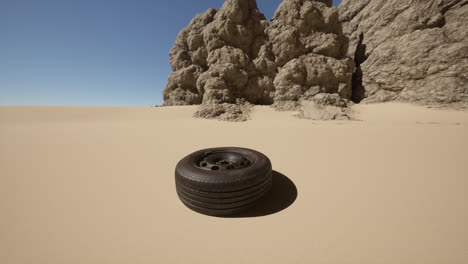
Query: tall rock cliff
(410, 50)
(234, 54)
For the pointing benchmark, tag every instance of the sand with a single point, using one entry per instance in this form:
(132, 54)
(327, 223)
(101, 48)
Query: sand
(95, 185)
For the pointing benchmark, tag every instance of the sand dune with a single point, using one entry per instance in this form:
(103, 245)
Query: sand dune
(95, 185)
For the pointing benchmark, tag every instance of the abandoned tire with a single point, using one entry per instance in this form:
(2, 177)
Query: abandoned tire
(223, 181)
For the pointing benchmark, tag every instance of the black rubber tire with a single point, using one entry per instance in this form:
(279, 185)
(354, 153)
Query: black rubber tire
(222, 192)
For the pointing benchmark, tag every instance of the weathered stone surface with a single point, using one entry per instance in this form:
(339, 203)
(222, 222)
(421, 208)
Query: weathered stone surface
(239, 112)
(318, 111)
(234, 53)
(300, 27)
(309, 48)
(221, 43)
(312, 75)
(408, 50)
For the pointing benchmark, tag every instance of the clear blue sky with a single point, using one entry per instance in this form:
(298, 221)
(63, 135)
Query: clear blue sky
(92, 52)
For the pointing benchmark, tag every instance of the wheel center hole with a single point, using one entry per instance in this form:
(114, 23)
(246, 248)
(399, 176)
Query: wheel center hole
(224, 162)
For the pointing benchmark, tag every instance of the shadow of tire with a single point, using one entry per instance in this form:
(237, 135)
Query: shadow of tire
(282, 195)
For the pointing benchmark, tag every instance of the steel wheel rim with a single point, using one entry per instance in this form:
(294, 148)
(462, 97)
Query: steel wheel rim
(223, 161)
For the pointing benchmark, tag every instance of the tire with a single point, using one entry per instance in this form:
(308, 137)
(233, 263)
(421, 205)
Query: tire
(223, 181)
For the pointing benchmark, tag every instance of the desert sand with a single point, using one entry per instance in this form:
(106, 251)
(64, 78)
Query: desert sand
(96, 185)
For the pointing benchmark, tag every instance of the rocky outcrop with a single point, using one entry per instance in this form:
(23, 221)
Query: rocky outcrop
(211, 59)
(235, 54)
(408, 50)
(309, 49)
(373, 51)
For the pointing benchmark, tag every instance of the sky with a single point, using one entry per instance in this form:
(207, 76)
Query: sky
(92, 52)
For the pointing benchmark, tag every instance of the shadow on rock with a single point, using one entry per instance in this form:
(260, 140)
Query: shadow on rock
(282, 194)
(359, 92)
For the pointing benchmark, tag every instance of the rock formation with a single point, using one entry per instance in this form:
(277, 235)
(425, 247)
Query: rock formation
(306, 44)
(310, 55)
(410, 50)
(235, 55)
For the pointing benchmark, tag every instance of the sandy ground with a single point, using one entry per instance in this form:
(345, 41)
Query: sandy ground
(95, 185)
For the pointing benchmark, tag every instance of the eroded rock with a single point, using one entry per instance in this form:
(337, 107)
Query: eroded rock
(236, 54)
(238, 112)
(408, 50)
(313, 75)
(397, 50)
